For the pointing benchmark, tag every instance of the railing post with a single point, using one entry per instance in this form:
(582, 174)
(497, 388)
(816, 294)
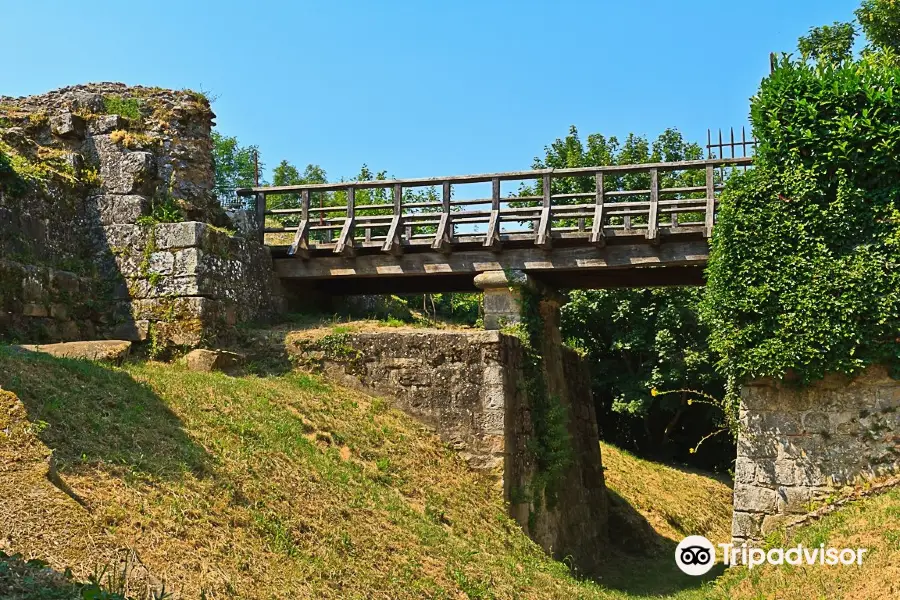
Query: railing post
(542, 235)
(492, 237)
(300, 245)
(597, 236)
(444, 234)
(261, 216)
(653, 217)
(710, 200)
(392, 239)
(348, 231)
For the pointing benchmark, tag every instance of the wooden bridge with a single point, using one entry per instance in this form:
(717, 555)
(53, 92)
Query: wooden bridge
(591, 227)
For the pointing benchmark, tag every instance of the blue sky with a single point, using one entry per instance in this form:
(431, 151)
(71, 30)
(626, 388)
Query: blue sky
(419, 88)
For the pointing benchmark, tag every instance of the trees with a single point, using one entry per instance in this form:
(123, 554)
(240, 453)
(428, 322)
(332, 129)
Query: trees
(234, 166)
(880, 20)
(830, 43)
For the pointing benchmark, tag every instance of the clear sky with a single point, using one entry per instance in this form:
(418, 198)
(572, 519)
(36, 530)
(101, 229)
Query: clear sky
(419, 88)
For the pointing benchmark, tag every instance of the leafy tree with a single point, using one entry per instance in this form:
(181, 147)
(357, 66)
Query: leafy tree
(640, 340)
(234, 166)
(829, 44)
(287, 174)
(880, 21)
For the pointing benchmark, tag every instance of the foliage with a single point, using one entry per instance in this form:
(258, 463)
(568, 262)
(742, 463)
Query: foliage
(287, 174)
(880, 21)
(571, 152)
(234, 166)
(551, 443)
(829, 43)
(804, 273)
(129, 108)
(638, 341)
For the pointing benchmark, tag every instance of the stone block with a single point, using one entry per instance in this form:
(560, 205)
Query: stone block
(107, 124)
(816, 422)
(754, 499)
(134, 331)
(171, 236)
(794, 500)
(113, 209)
(32, 309)
(64, 281)
(59, 311)
(110, 350)
(127, 172)
(212, 360)
(744, 470)
(745, 525)
(162, 263)
(67, 125)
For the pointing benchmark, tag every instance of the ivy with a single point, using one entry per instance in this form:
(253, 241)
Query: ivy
(804, 271)
(551, 444)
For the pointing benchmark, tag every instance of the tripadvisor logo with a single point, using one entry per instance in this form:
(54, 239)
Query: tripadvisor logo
(696, 555)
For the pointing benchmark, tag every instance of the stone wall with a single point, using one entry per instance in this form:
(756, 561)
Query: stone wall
(797, 445)
(470, 387)
(88, 177)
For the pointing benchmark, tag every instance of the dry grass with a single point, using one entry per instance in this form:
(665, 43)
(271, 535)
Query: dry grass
(249, 487)
(288, 487)
(675, 502)
(873, 523)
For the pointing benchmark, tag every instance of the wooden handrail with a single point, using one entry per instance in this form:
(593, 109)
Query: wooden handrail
(550, 215)
(506, 176)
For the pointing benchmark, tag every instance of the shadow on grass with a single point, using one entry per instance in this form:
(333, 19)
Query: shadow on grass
(642, 562)
(89, 413)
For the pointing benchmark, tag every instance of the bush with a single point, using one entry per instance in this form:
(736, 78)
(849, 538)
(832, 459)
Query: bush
(804, 272)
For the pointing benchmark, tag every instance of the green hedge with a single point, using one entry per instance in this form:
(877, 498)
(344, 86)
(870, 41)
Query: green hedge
(804, 273)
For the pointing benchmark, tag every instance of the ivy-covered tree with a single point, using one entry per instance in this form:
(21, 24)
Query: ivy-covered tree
(804, 273)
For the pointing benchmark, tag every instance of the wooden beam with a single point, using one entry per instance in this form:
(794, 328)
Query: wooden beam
(531, 260)
(653, 217)
(597, 236)
(505, 176)
(710, 200)
(345, 242)
(542, 235)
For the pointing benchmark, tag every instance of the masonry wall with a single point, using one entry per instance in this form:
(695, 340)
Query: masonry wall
(83, 253)
(796, 445)
(470, 388)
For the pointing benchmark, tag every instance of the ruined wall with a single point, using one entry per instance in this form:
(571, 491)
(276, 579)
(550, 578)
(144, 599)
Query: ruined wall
(471, 388)
(796, 445)
(112, 186)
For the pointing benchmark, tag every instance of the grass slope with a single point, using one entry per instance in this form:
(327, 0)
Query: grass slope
(258, 487)
(289, 487)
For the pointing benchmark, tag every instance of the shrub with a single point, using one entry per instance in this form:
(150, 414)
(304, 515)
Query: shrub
(804, 272)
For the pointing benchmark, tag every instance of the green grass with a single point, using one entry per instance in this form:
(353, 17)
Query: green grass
(129, 108)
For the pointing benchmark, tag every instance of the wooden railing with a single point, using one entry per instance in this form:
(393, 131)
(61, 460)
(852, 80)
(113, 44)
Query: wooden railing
(606, 208)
